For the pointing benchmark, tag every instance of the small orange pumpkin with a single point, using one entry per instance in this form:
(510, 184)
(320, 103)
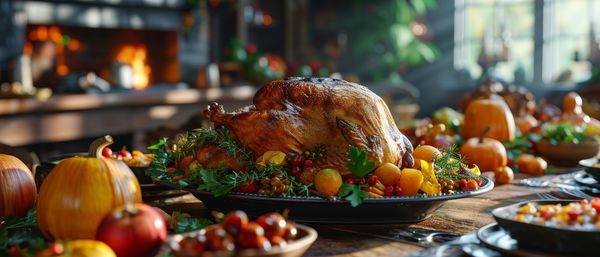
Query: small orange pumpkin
(17, 187)
(493, 113)
(487, 153)
(503, 175)
(80, 191)
(531, 164)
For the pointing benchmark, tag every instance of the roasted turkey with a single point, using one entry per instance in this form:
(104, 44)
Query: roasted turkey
(298, 114)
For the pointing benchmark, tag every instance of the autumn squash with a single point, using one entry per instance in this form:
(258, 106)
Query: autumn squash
(80, 191)
(531, 164)
(17, 187)
(503, 175)
(487, 153)
(77, 248)
(493, 113)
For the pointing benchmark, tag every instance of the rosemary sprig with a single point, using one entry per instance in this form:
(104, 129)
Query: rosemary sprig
(450, 160)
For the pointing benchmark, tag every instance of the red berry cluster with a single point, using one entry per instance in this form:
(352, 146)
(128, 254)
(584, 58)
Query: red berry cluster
(469, 184)
(248, 187)
(297, 163)
(392, 190)
(236, 232)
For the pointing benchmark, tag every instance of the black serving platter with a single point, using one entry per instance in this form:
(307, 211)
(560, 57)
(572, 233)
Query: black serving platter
(588, 165)
(494, 237)
(313, 209)
(585, 179)
(544, 238)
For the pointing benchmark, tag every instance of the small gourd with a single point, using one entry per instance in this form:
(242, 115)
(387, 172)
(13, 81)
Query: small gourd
(80, 191)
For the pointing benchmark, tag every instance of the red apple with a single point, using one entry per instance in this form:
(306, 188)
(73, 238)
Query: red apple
(133, 230)
(273, 223)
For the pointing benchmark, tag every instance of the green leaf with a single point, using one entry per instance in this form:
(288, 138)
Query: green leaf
(158, 145)
(353, 193)
(212, 183)
(359, 165)
(188, 224)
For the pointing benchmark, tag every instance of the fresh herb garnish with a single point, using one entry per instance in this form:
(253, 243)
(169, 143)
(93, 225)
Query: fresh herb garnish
(23, 231)
(353, 193)
(183, 222)
(450, 160)
(360, 166)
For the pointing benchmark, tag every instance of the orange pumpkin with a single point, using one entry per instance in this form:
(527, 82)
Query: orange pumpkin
(493, 113)
(17, 187)
(487, 153)
(80, 191)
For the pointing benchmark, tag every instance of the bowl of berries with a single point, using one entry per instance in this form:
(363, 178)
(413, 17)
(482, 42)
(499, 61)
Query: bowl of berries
(236, 235)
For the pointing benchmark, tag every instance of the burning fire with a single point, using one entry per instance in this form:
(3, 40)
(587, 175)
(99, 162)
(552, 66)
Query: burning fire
(135, 56)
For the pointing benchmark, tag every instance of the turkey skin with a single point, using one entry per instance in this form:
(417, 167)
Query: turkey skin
(298, 114)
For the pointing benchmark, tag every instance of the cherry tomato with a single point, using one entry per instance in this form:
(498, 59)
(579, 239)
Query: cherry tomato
(273, 224)
(193, 246)
(398, 190)
(235, 221)
(123, 153)
(595, 203)
(248, 235)
(278, 241)
(472, 185)
(373, 180)
(217, 239)
(107, 152)
(290, 232)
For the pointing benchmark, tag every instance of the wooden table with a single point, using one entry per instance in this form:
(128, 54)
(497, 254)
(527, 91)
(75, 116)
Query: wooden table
(458, 216)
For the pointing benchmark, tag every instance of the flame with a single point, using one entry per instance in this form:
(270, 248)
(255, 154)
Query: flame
(136, 58)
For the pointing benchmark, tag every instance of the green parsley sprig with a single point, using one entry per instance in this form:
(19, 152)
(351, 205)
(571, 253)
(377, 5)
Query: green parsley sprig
(360, 166)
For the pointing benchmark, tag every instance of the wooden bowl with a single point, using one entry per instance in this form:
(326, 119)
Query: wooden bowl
(306, 237)
(567, 153)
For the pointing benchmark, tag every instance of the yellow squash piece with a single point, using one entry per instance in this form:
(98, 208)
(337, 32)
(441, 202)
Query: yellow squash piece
(271, 157)
(80, 248)
(430, 184)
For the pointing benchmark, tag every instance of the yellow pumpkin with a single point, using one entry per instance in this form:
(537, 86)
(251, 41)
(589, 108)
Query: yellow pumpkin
(80, 191)
(77, 248)
(493, 113)
(17, 187)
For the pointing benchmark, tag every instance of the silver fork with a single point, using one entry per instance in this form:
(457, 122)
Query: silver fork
(577, 193)
(547, 196)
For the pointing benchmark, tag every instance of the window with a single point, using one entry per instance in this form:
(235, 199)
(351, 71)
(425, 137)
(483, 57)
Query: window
(502, 35)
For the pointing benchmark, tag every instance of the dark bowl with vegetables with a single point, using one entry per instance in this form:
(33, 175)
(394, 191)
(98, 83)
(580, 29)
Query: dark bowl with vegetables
(546, 237)
(592, 167)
